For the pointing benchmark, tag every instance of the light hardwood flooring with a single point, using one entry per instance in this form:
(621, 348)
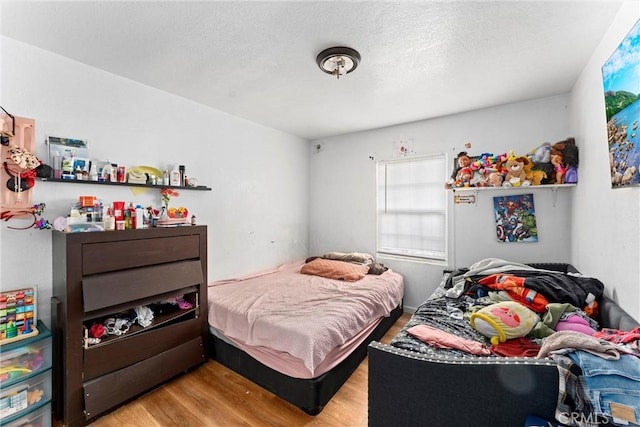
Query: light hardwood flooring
(212, 395)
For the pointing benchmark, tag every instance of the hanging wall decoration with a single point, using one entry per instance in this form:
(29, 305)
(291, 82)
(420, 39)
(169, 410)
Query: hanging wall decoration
(19, 166)
(622, 104)
(515, 218)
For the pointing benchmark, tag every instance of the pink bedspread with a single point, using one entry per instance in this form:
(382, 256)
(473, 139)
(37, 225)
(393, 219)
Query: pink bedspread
(303, 315)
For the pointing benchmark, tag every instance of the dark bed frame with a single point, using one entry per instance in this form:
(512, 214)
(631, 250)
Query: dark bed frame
(310, 395)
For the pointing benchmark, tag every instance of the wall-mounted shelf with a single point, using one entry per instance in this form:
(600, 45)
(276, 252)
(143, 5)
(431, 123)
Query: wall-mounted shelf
(125, 184)
(528, 187)
(553, 187)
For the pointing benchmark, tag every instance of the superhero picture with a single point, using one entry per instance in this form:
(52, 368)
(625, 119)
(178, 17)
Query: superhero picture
(515, 218)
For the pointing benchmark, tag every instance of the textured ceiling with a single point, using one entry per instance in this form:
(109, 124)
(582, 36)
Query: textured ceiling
(256, 59)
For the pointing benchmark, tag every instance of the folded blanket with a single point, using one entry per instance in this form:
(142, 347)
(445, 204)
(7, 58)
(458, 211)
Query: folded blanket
(567, 341)
(438, 338)
(357, 257)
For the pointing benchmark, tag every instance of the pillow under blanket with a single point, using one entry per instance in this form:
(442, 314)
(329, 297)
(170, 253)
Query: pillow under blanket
(333, 269)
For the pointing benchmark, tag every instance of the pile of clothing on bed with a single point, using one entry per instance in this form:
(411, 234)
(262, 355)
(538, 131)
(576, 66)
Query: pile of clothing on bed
(497, 308)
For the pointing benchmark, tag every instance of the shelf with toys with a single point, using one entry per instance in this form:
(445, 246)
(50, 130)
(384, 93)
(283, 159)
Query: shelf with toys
(553, 187)
(547, 166)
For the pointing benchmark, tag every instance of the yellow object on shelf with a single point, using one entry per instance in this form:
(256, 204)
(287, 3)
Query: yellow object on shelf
(149, 170)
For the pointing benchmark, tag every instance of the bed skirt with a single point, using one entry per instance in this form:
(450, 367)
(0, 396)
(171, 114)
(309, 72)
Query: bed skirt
(310, 395)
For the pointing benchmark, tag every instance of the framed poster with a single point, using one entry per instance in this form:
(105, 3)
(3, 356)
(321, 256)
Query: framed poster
(622, 105)
(515, 218)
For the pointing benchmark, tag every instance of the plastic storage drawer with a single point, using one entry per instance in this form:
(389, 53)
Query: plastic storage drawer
(25, 358)
(40, 417)
(22, 398)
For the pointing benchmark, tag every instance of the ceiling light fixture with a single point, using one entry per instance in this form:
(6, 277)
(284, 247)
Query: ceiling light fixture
(338, 60)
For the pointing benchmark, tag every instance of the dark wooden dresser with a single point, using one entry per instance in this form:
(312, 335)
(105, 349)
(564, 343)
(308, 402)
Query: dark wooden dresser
(99, 276)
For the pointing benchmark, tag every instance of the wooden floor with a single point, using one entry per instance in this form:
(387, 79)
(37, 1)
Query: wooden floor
(212, 395)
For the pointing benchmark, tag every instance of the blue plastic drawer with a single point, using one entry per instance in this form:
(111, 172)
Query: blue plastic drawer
(25, 358)
(22, 398)
(40, 417)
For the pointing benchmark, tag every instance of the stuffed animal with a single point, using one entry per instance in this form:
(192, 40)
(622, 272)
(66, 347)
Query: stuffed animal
(541, 154)
(504, 321)
(564, 158)
(516, 175)
(535, 176)
(495, 179)
(463, 173)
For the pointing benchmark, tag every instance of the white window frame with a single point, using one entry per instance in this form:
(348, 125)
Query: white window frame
(435, 184)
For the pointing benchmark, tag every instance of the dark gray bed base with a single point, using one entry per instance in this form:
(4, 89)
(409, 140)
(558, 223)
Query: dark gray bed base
(407, 388)
(310, 395)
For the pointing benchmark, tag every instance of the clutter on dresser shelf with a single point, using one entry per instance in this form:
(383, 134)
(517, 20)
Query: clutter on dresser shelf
(91, 214)
(131, 321)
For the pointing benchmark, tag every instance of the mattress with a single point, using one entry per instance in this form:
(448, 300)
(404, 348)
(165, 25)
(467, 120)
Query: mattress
(298, 324)
(295, 367)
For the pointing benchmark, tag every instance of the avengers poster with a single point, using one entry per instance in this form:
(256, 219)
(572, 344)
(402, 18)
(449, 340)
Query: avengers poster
(515, 218)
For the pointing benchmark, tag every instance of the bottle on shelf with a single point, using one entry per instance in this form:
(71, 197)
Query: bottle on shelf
(139, 217)
(57, 165)
(106, 171)
(109, 221)
(93, 173)
(131, 211)
(127, 219)
(183, 175)
(175, 177)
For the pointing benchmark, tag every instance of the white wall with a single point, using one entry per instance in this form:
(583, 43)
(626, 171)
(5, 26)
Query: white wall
(257, 213)
(343, 187)
(605, 222)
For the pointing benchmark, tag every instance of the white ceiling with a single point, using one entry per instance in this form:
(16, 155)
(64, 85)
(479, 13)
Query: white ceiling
(256, 59)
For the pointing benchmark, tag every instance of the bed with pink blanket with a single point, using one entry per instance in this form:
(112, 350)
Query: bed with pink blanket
(298, 334)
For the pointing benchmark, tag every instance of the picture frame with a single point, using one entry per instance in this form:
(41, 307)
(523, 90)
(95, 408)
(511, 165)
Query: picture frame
(622, 108)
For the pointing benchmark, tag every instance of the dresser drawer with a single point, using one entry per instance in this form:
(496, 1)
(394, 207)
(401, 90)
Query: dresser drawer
(120, 353)
(102, 257)
(112, 389)
(118, 287)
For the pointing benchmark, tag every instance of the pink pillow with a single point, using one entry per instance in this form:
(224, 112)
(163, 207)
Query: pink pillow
(333, 269)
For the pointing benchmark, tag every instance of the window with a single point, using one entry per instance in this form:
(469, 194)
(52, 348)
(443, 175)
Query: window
(412, 208)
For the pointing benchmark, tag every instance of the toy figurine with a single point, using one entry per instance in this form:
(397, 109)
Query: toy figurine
(558, 166)
(463, 173)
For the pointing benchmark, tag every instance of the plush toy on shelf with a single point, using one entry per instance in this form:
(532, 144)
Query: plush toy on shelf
(463, 174)
(564, 158)
(495, 179)
(536, 176)
(559, 168)
(516, 175)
